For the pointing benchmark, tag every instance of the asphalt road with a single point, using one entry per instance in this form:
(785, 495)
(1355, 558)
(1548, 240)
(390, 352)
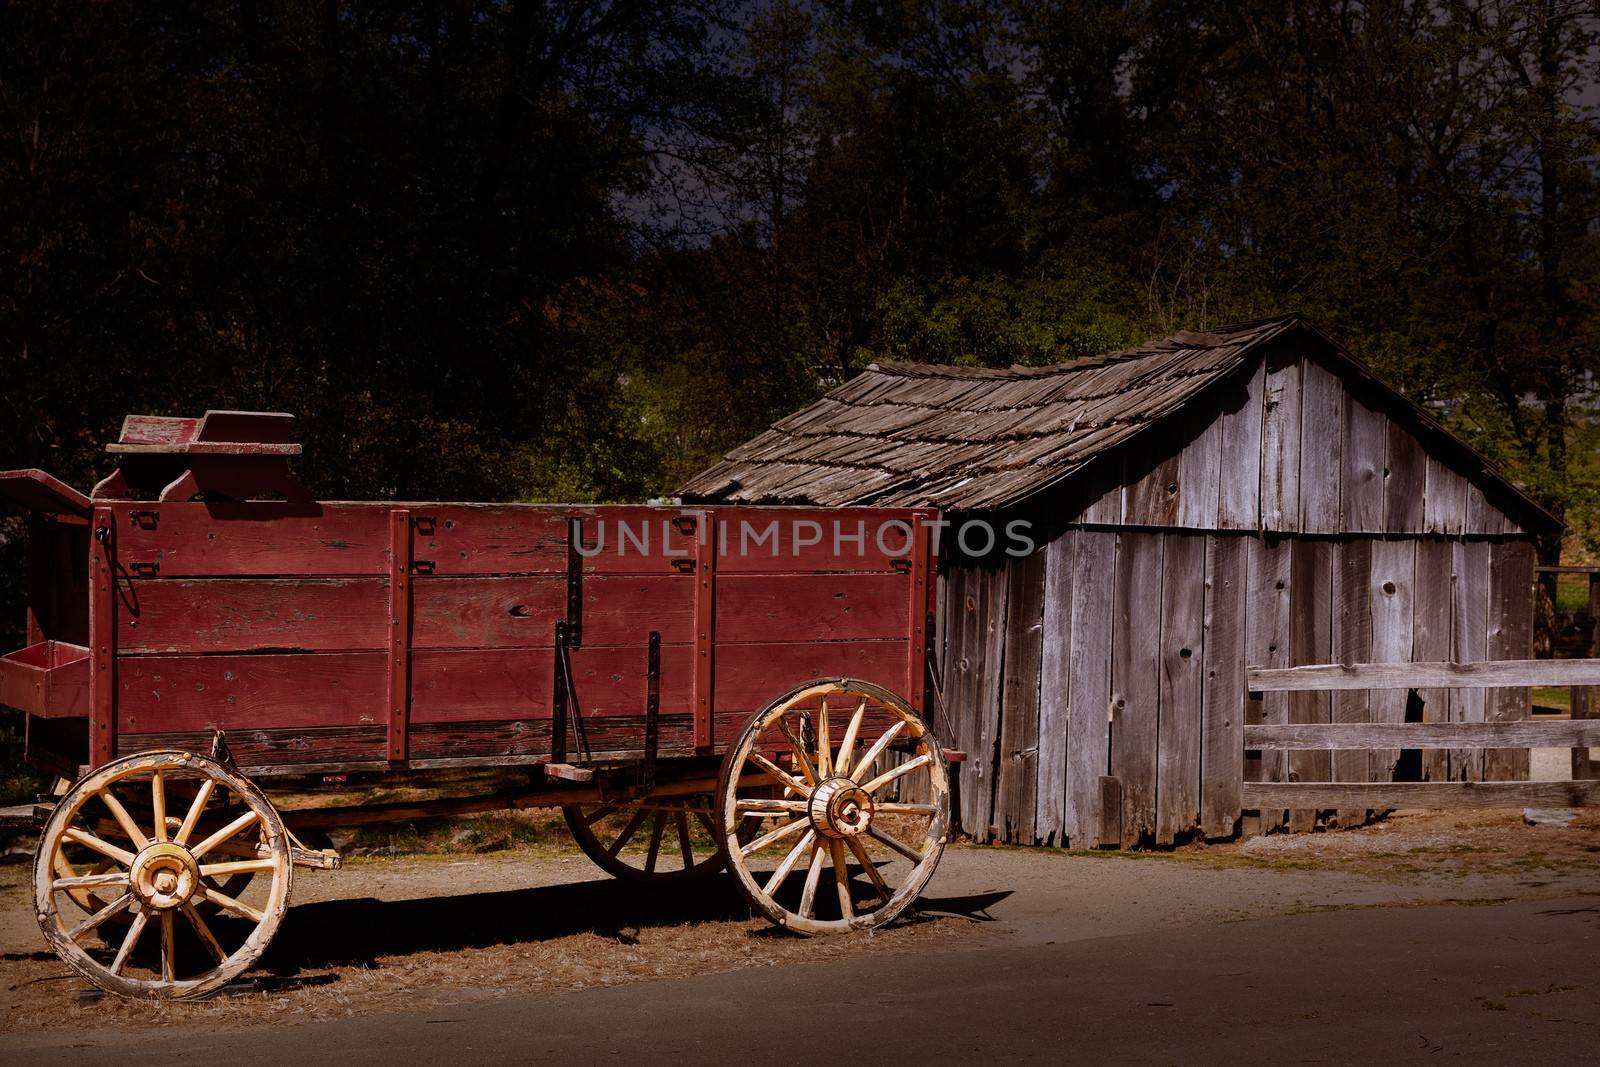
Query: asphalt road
(1516, 982)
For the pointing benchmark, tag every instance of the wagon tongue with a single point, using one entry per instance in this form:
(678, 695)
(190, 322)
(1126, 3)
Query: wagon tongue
(34, 490)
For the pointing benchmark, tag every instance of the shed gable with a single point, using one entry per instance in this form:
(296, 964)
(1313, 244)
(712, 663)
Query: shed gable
(1292, 445)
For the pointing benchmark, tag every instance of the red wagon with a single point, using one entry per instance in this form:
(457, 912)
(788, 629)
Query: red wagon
(696, 688)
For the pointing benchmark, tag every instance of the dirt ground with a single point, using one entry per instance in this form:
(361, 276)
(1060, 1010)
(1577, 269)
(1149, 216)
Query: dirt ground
(529, 916)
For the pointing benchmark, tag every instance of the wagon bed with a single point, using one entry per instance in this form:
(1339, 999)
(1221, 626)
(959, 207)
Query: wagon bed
(625, 656)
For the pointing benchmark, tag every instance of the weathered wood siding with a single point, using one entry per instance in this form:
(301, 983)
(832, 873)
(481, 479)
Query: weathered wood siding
(1124, 653)
(1291, 447)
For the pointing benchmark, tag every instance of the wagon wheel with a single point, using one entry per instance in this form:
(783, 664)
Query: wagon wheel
(180, 794)
(840, 807)
(157, 873)
(664, 826)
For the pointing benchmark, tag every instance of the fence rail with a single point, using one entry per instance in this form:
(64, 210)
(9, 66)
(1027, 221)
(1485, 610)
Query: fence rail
(1380, 795)
(1383, 736)
(1579, 734)
(1494, 674)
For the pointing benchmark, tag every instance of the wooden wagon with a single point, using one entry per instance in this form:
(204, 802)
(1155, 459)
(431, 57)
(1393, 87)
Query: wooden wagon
(697, 689)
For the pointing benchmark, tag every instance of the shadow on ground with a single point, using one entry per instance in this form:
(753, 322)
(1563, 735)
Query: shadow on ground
(357, 932)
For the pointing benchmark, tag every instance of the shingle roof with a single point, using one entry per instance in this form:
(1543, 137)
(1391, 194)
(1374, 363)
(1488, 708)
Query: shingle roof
(969, 438)
(972, 439)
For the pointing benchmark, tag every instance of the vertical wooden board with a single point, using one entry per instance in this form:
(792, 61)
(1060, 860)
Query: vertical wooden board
(1280, 444)
(1055, 679)
(1016, 777)
(1089, 683)
(1469, 643)
(1430, 641)
(1310, 641)
(1510, 637)
(1239, 484)
(1393, 590)
(982, 717)
(1199, 473)
(1321, 453)
(1102, 488)
(961, 670)
(1182, 654)
(1222, 729)
(1352, 643)
(1151, 478)
(1404, 480)
(1366, 433)
(1136, 679)
(1444, 499)
(103, 710)
(1267, 598)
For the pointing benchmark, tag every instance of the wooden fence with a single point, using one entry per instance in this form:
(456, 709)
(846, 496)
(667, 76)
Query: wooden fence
(1579, 734)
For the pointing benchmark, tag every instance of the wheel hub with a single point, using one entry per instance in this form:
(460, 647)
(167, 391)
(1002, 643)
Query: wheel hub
(840, 808)
(164, 876)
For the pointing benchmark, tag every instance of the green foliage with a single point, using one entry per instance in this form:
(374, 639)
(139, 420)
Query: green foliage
(996, 321)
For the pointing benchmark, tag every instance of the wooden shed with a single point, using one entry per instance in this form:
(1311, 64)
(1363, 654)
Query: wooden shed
(1248, 496)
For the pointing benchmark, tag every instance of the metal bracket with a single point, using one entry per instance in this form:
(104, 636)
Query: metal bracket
(652, 714)
(144, 569)
(574, 582)
(683, 566)
(565, 707)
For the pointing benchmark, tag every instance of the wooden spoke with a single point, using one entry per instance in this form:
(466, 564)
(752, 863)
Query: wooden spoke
(877, 750)
(781, 872)
(222, 870)
(158, 819)
(684, 844)
(130, 939)
(889, 839)
(628, 831)
(124, 820)
(657, 826)
(897, 808)
(227, 903)
(897, 772)
(105, 848)
(871, 868)
(599, 813)
(203, 932)
(773, 836)
(77, 932)
(768, 805)
(705, 820)
(247, 819)
(169, 948)
(112, 880)
(808, 895)
(201, 796)
(799, 751)
(841, 878)
(824, 749)
(848, 743)
(782, 776)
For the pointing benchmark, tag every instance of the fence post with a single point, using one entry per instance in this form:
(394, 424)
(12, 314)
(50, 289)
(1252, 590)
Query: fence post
(1582, 695)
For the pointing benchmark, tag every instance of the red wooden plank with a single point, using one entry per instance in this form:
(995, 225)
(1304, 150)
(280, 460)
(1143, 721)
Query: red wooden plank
(159, 694)
(776, 607)
(398, 649)
(103, 640)
(814, 539)
(493, 684)
(919, 620)
(239, 614)
(190, 540)
(517, 611)
(705, 598)
(750, 675)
